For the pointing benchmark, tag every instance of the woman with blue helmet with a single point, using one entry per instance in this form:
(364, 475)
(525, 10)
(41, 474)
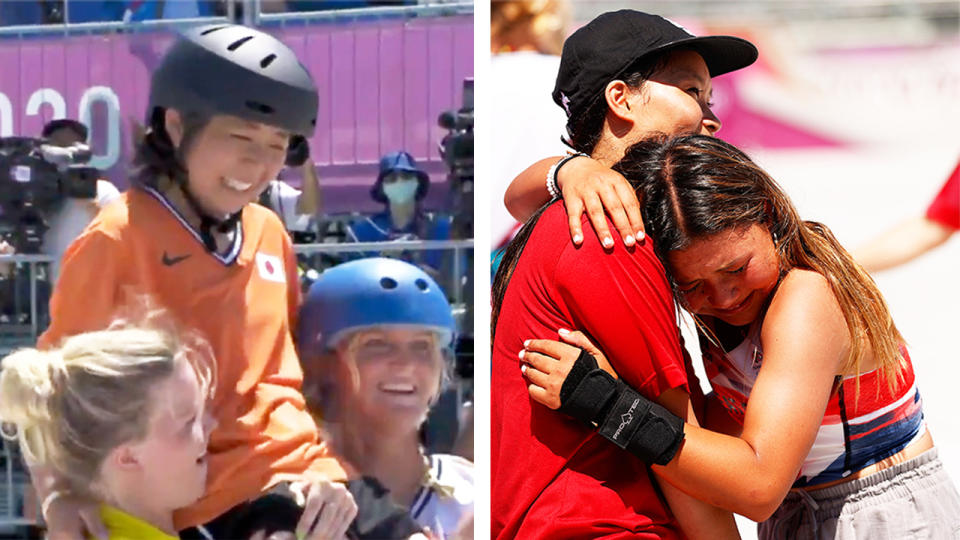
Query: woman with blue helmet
(374, 336)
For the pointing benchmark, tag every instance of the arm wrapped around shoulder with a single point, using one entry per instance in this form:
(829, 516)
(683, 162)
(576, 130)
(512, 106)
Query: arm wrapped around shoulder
(621, 414)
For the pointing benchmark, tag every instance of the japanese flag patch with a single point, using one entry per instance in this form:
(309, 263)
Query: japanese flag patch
(271, 268)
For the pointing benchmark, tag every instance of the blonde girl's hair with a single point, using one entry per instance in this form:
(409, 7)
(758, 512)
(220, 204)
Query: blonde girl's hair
(69, 407)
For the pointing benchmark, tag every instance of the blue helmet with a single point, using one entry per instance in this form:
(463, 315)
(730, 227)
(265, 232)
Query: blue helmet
(371, 292)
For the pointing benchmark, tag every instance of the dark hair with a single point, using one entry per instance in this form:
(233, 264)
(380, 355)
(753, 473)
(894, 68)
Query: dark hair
(585, 129)
(156, 158)
(65, 123)
(696, 186)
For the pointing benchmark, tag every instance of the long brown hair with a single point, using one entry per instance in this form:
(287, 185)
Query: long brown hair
(696, 186)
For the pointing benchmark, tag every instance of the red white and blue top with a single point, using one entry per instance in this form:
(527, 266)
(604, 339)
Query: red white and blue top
(857, 429)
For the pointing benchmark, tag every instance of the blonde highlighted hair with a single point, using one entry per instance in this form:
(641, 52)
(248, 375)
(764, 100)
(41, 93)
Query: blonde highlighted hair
(69, 407)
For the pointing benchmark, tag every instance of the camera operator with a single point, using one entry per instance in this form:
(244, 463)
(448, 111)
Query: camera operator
(71, 216)
(295, 208)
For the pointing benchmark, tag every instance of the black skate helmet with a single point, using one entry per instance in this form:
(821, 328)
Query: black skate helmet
(239, 71)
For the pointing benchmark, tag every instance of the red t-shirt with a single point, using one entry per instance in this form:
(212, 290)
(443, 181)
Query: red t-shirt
(945, 208)
(553, 477)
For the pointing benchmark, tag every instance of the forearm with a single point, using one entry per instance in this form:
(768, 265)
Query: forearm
(528, 191)
(697, 518)
(748, 475)
(901, 244)
(309, 200)
(728, 472)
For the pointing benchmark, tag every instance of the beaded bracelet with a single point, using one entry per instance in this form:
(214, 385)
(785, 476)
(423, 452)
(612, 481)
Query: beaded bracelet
(552, 186)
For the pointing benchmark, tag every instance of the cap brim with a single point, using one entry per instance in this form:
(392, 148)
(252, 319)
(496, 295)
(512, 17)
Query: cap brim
(722, 54)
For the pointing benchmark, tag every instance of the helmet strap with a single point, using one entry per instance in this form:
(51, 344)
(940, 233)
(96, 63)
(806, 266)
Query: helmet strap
(207, 222)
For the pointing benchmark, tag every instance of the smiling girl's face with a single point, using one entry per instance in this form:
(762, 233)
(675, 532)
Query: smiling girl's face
(230, 161)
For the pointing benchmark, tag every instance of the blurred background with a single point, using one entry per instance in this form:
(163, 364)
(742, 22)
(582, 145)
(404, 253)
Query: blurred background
(853, 107)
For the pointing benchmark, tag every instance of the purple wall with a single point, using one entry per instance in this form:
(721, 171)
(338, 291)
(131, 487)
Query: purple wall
(382, 85)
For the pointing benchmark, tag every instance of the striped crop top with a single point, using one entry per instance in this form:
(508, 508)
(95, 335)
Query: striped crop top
(855, 432)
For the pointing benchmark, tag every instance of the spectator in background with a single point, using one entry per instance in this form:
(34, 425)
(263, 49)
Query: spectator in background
(21, 13)
(375, 340)
(280, 6)
(65, 221)
(72, 216)
(918, 235)
(295, 208)
(138, 10)
(525, 39)
(401, 186)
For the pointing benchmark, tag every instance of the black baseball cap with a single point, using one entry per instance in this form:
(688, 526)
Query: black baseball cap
(604, 48)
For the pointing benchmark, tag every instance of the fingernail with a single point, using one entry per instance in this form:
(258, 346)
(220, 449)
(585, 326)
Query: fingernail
(523, 369)
(629, 241)
(640, 236)
(608, 242)
(577, 238)
(521, 354)
(526, 343)
(563, 331)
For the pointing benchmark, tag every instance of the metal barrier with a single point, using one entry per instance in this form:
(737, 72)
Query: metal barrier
(252, 16)
(69, 29)
(32, 261)
(14, 335)
(16, 493)
(457, 246)
(339, 15)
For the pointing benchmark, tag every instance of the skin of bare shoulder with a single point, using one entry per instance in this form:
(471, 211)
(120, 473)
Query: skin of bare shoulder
(805, 297)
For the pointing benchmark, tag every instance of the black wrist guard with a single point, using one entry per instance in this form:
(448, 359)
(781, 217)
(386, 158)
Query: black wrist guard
(621, 414)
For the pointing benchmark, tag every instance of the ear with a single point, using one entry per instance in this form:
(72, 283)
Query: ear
(618, 96)
(174, 126)
(124, 458)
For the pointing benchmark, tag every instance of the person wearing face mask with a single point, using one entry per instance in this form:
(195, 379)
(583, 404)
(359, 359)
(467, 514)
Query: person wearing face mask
(401, 186)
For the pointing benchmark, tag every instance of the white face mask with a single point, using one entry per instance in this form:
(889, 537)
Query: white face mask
(401, 191)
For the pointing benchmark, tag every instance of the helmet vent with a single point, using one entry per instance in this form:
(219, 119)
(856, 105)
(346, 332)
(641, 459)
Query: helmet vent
(236, 44)
(388, 283)
(422, 284)
(267, 60)
(262, 108)
(214, 29)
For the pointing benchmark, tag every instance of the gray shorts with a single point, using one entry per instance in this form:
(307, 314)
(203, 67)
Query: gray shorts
(912, 500)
